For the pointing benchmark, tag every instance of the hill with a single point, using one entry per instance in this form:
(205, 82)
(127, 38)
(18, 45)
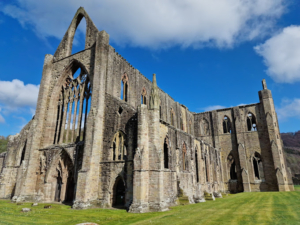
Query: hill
(291, 143)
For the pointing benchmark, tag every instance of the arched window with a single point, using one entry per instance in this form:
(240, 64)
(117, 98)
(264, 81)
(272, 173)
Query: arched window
(124, 87)
(119, 152)
(73, 107)
(181, 123)
(166, 153)
(184, 159)
(232, 167)
(204, 127)
(172, 116)
(143, 96)
(197, 167)
(80, 35)
(23, 153)
(251, 122)
(206, 168)
(227, 125)
(160, 112)
(257, 167)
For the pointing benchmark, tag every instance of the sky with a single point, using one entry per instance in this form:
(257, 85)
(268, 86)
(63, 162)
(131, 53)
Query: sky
(207, 54)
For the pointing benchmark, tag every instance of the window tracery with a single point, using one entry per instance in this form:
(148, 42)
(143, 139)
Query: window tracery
(73, 107)
(119, 151)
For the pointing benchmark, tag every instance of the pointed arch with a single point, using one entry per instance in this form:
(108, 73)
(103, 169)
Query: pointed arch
(118, 146)
(144, 96)
(166, 152)
(231, 164)
(124, 87)
(257, 163)
(119, 192)
(227, 128)
(65, 47)
(251, 122)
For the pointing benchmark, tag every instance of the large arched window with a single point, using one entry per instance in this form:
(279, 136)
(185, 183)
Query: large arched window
(257, 167)
(166, 153)
(172, 116)
(124, 87)
(143, 96)
(251, 122)
(73, 108)
(184, 157)
(232, 167)
(227, 125)
(119, 152)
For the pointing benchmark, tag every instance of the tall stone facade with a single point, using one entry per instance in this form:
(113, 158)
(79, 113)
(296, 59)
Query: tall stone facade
(105, 135)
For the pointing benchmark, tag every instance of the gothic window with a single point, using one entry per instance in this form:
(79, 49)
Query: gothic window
(257, 167)
(124, 87)
(197, 167)
(227, 125)
(251, 122)
(79, 35)
(73, 108)
(232, 167)
(23, 153)
(172, 116)
(181, 123)
(166, 153)
(204, 127)
(119, 152)
(206, 168)
(184, 157)
(143, 96)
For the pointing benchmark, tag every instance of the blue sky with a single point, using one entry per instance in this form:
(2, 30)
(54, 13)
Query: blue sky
(206, 54)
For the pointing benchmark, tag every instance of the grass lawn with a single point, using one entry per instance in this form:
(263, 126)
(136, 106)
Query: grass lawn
(244, 208)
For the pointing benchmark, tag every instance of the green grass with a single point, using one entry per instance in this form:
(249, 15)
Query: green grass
(244, 208)
(297, 187)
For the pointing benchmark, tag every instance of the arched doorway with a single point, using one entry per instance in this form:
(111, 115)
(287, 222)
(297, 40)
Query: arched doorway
(119, 193)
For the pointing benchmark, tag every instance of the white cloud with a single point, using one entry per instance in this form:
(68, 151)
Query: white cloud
(14, 94)
(281, 55)
(156, 23)
(289, 108)
(213, 107)
(2, 120)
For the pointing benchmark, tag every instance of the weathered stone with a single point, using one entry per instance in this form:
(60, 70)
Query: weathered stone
(26, 209)
(107, 136)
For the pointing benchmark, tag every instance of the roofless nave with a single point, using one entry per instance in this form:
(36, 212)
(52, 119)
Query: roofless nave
(105, 135)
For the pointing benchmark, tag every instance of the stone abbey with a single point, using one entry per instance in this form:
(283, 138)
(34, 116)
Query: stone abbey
(104, 135)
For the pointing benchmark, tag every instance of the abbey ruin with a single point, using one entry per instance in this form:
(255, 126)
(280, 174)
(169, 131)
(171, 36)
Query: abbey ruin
(104, 135)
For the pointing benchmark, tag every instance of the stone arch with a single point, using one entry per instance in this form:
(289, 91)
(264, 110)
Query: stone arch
(227, 126)
(70, 96)
(118, 196)
(60, 178)
(124, 87)
(144, 96)
(65, 47)
(251, 122)
(232, 167)
(118, 146)
(257, 165)
(204, 127)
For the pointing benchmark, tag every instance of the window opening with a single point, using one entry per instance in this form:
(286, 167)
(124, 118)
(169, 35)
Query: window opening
(80, 35)
(258, 167)
(166, 153)
(73, 106)
(184, 157)
(124, 87)
(119, 152)
(206, 168)
(226, 125)
(119, 193)
(23, 153)
(197, 168)
(251, 122)
(143, 97)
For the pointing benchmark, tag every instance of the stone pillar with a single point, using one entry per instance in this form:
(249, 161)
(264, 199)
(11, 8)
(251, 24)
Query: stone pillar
(265, 97)
(27, 188)
(141, 165)
(88, 176)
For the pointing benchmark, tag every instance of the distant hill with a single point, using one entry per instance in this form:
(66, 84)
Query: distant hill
(291, 143)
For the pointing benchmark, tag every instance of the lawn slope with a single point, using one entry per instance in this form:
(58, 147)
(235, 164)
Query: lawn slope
(244, 208)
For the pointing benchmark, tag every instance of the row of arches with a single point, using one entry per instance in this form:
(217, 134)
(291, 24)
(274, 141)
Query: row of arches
(257, 166)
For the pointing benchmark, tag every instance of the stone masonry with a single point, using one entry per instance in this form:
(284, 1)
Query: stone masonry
(104, 135)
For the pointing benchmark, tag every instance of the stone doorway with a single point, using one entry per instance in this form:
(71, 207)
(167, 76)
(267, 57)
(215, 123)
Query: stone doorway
(118, 199)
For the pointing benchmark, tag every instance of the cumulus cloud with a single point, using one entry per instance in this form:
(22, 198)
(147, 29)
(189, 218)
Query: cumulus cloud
(289, 108)
(15, 94)
(156, 23)
(281, 55)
